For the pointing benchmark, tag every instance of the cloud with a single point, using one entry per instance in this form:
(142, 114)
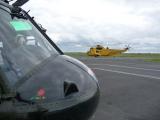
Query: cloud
(77, 24)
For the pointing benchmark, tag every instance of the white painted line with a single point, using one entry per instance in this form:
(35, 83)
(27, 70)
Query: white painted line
(127, 73)
(122, 66)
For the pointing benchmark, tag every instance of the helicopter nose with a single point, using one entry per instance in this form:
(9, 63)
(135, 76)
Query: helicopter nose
(65, 87)
(81, 94)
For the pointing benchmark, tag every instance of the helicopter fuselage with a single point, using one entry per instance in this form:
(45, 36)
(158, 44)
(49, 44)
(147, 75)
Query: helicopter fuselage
(37, 81)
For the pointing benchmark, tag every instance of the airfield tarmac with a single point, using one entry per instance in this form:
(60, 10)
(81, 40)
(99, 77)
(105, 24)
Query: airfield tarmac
(130, 88)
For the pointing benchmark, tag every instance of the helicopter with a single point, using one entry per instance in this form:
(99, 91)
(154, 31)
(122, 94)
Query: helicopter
(99, 50)
(37, 81)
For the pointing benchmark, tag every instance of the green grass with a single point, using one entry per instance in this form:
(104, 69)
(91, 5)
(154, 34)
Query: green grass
(149, 57)
(153, 60)
(141, 55)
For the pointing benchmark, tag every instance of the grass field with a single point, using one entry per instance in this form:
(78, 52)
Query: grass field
(150, 57)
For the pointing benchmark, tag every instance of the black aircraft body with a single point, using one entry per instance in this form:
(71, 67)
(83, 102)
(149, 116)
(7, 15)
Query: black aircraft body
(37, 81)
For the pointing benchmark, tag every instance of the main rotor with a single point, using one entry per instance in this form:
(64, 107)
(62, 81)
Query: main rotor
(17, 3)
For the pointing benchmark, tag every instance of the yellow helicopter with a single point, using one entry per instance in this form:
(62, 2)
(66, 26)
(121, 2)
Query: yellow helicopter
(99, 50)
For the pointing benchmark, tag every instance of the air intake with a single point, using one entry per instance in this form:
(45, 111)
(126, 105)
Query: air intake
(69, 88)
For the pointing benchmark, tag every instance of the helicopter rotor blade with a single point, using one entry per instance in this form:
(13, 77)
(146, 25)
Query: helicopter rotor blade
(128, 46)
(19, 3)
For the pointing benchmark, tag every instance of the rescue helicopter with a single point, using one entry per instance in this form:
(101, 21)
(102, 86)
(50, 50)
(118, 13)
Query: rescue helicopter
(99, 50)
(37, 81)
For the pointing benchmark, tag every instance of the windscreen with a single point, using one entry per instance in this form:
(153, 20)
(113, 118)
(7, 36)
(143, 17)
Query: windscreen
(22, 46)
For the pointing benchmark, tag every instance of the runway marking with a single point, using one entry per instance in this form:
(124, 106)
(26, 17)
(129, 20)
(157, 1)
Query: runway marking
(127, 73)
(126, 67)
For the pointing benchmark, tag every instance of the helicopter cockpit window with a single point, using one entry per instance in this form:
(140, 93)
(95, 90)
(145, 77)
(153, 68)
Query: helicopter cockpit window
(22, 46)
(99, 48)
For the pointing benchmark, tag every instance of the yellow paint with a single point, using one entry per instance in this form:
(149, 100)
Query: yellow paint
(101, 51)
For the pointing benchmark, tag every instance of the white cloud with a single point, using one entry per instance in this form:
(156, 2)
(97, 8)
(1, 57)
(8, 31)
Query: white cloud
(113, 22)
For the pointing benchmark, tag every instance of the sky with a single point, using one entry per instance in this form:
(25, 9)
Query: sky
(77, 25)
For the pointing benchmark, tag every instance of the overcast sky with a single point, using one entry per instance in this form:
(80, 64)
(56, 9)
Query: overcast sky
(75, 25)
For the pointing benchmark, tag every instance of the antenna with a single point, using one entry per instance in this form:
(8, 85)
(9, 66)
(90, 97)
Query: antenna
(6, 1)
(19, 3)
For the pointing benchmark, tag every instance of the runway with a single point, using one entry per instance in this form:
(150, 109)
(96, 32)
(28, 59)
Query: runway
(130, 88)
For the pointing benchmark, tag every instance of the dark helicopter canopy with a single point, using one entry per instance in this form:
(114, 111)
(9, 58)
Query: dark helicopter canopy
(22, 46)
